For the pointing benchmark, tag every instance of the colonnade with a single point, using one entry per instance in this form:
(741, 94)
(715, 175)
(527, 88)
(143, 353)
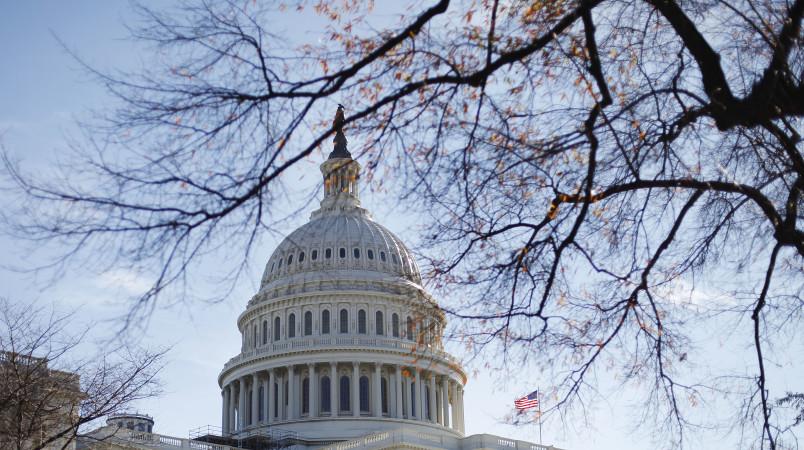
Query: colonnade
(358, 389)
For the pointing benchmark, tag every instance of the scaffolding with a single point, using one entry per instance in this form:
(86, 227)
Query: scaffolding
(262, 438)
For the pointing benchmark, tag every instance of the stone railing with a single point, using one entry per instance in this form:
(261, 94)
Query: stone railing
(156, 441)
(169, 442)
(337, 342)
(409, 437)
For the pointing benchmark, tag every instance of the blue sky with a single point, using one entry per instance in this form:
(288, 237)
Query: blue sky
(43, 92)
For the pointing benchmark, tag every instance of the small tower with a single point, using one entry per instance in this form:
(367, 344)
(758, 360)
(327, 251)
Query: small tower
(132, 421)
(341, 172)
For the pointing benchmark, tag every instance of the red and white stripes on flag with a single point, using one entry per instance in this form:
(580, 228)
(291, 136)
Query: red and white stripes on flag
(527, 402)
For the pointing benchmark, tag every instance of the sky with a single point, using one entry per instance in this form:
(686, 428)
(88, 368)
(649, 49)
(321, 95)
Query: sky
(43, 92)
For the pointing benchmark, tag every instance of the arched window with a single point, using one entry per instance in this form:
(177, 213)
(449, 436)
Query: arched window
(308, 323)
(261, 402)
(384, 394)
(342, 252)
(395, 324)
(301, 257)
(356, 253)
(276, 329)
(344, 321)
(361, 321)
(264, 332)
(379, 324)
(382, 257)
(292, 325)
(255, 340)
(325, 321)
(345, 395)
(413, 398)
(364, 394)
(287, 397)
(279, 264)
(410, 331)
(370, 253)
(325, 396)
(306, 396)
(396, 261)
(290, 260)
(328, 253)
(314, 255)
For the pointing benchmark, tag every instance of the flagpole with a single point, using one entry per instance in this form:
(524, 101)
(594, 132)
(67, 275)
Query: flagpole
(538, 394)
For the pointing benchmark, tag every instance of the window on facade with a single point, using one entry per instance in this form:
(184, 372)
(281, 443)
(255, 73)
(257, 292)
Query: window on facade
(382, 256)
(345, 395)
(410, 330)
(325, 321)
(378, 323)
(413, 398)
(384, 394)
(276, 400)
(370, 253)
(264, 332)
(396, 261)
(279, 264)
(272, 267)
(308, 323)
(301, 257)
(292, 325)
(356, 252)
(328, 253)
(287, 399)
(255, 339)
(306, 396)
(325, 405)
(344, 321)
(427, 412)
(314, 255)
(395, 324)
(342, 252)
(290, 260)
(276, 329)
(364, 394)
(361, 321)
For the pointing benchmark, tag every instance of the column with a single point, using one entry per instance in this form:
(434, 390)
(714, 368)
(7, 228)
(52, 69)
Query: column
(334, 398)
(241, 404)
(356, 389)
(311, 392)
(255, 399)
(408, 397)
(433, 395)
(269, 398)
(280, 381)
(225, 411)
(230, 410)
(398, 390)
(454, 394)
(377, 390)
(419, 397)
(460, 409)
(292, 395)
(445, 402)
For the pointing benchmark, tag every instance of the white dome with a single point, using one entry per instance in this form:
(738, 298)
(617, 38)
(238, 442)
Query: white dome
(342, 340)
(349, 241)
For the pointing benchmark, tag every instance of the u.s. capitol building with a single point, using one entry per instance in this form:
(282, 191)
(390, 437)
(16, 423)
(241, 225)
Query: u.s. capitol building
(341, 347)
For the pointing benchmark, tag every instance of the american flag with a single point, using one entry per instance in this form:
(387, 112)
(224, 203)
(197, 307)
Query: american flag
(529, 401)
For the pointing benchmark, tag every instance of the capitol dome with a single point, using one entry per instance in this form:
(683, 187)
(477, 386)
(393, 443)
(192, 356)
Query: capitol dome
(341, 340)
